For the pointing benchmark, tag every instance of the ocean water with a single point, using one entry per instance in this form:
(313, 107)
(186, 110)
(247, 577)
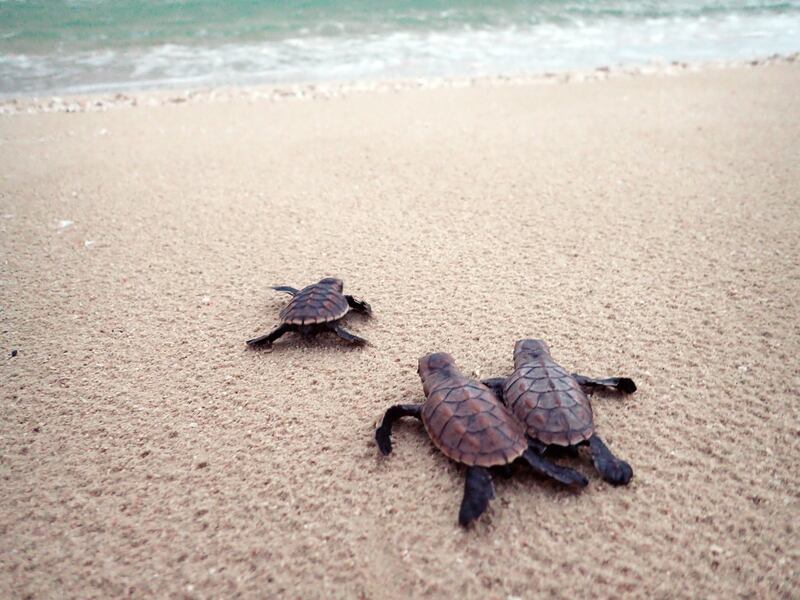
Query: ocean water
(76, 46)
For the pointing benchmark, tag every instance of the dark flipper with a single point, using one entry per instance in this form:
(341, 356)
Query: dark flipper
(266, 340)
(346, 335)
(537, 446)
(478, 491)
(544, 467)
(285, 288)
(611, 468)
(618, 384)
(496, 384)
(383, 434)
(359, 305)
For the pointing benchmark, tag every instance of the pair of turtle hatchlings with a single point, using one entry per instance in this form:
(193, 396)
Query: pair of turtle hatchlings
(484, 424)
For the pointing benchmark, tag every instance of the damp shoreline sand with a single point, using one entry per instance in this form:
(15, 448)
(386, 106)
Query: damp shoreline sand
(644, 226)
(100, 101)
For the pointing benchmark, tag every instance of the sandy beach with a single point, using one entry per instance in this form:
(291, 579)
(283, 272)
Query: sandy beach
(644, 226)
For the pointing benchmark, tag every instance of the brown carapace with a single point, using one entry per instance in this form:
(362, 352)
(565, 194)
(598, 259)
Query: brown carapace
(548, 400)
(470, 425)
(316, 308)
(464, 418)
(554, 406)
(318, 303)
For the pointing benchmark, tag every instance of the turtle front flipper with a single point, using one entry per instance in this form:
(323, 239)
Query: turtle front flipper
(614, 470)
(383, 434)
(285, 288)
(346, 335)
(564, 475)
(266, 340)
(478, 491)
(625, 385)
(361, 306)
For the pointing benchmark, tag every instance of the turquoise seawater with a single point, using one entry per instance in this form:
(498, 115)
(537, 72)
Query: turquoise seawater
(62, 46)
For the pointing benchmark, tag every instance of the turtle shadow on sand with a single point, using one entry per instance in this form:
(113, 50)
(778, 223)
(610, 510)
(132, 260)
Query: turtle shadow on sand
(317, 308)
(320, 342)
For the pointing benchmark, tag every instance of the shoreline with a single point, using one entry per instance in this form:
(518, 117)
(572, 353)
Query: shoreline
(103, 101)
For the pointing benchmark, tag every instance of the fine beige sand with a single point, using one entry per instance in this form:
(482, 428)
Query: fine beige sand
(643, 226)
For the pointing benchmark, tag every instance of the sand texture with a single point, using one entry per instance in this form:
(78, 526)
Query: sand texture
(643, 226)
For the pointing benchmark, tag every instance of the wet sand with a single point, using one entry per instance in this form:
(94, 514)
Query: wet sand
(644, 226)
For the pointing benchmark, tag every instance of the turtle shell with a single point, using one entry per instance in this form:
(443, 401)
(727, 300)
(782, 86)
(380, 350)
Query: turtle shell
(467, 422)
(550, 402)
(320, 302)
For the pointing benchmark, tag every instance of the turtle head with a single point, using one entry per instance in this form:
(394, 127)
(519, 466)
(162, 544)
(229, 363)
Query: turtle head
(432, 365)
(526, 351)
(337, 284)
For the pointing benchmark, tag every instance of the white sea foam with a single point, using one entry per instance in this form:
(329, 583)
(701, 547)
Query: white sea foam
(511, 50)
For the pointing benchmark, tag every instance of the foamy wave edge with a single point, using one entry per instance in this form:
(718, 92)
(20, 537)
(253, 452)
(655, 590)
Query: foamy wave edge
(335, 90)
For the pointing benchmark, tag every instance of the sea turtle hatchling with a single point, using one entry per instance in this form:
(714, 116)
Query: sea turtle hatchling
(316, 308)
(555, 408)
(470, 425)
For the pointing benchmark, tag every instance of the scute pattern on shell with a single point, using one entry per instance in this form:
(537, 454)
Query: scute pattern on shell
(550, 402)
(470, 425)
(315, 303)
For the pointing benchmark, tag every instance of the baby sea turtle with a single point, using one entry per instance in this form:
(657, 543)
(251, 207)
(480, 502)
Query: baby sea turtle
(470, 425)
(555, 408)
(316, 308)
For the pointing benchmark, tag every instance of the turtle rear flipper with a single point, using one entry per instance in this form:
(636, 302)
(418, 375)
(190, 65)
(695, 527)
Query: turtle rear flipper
(564, 475)
(266, 340)
(614, 470)
(478, 491)
(346, 335)
(626, 385)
